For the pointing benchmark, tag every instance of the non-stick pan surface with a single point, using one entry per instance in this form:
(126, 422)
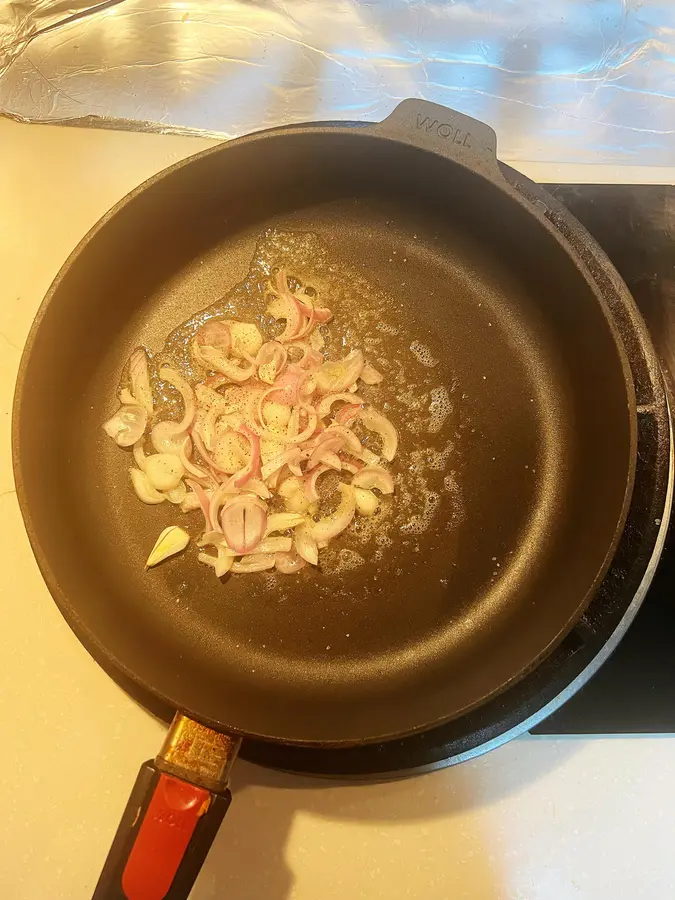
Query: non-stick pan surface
(543, 425)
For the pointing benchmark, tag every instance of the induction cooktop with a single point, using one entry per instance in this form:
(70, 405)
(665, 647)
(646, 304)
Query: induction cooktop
(633, 691)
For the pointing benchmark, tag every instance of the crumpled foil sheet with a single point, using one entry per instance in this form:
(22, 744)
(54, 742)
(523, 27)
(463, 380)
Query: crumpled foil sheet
(567, 80)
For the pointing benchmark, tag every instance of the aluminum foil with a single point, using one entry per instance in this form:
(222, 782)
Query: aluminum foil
(568, 80)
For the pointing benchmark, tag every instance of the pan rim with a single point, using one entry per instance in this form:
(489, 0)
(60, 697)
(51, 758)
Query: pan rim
(90, 640)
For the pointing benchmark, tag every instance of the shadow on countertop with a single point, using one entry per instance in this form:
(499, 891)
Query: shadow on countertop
(248, 860)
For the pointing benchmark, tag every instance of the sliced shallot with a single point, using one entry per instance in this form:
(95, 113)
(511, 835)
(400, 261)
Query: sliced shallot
(325, 404)
(293, 309)
(306, 545)
(275, 545)
(289, 563)
(283, 521)
(308, 430)
(144, 488)
(127, 425)
(246, 340)
(166, 437)
(140, 379)
(258, 562)
(267, 409)
(270, 360)
(370, 375)
(311, 360)
(215, 359)
(374, 477)
(189, 502)
(326, 444)
(339, 376)
(244, 521)
(375, 421)
(221, 563)
(188, 465)
(177, 495)
(348, 414)
(290, 458)
(310, 482)
(253, 486)
(204, 502)
(183, 387)
(215, 333)
(169, 436)
(252, 470)
(350, 441)
(330, 526)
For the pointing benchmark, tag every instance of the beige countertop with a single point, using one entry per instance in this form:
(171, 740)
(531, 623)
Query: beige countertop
(539, 819)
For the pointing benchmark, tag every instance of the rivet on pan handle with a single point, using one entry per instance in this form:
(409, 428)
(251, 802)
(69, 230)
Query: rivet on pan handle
(467, 141)
(173, 814)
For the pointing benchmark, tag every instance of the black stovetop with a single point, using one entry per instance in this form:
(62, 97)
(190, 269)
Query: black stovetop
(634, 690)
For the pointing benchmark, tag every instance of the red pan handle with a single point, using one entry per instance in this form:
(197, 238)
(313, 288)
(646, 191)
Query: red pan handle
(173, 814)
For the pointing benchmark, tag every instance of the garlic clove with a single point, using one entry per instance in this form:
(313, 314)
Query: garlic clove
(171, 541)
(366, 501)
(164, 471)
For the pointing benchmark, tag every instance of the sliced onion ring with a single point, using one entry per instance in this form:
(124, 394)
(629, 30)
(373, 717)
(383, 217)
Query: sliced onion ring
(221, 563)
(270, 361)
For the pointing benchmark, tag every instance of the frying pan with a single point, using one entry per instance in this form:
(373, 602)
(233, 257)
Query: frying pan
(544, 427)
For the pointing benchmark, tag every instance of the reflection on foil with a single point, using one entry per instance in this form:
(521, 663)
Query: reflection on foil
(569, 80)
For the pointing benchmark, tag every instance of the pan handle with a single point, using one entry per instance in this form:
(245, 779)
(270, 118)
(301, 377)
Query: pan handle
(173, 814)
(451, 134)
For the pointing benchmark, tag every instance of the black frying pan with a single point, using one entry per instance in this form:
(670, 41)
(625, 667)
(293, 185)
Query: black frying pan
(544, 427)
